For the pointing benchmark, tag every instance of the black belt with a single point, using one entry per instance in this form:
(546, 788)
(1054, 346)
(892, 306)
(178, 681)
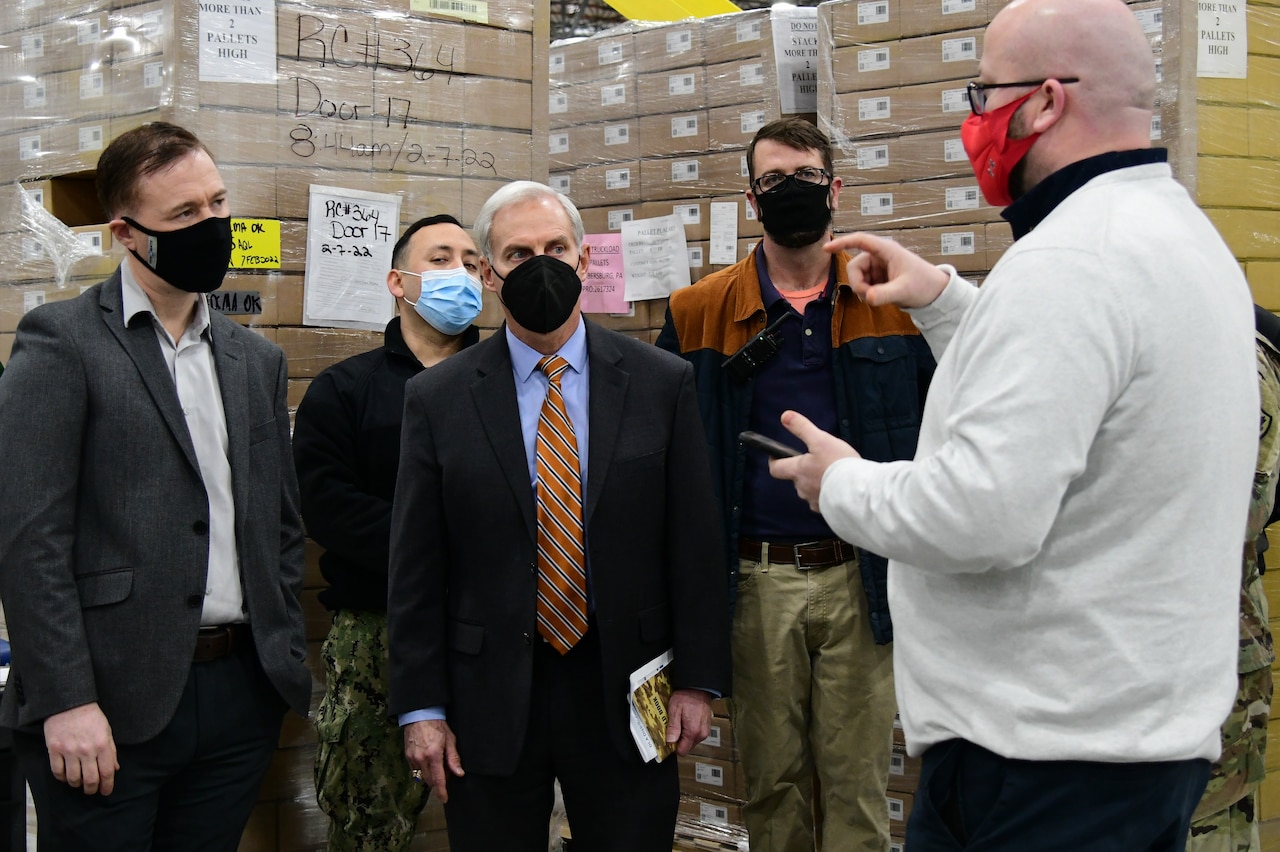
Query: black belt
(804, 556)
(216, 642)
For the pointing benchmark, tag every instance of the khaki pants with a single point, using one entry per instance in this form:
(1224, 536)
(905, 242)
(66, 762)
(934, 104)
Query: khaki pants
(812, 693)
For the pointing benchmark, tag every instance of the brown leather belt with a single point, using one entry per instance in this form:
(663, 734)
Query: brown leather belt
(804, 556)
(216, 642)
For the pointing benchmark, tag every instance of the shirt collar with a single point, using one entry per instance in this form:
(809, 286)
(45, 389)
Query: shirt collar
(1035, 206)
(134, 300)
(769, 292)
(524, 358)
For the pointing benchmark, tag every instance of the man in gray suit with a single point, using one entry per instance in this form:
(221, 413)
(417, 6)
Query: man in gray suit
(151, 552)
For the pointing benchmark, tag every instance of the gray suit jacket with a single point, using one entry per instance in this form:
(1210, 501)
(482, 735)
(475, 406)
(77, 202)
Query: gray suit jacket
(103, 543)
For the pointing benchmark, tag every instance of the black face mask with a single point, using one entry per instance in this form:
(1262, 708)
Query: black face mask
(795, 214)
(540, 293)
(194, 258)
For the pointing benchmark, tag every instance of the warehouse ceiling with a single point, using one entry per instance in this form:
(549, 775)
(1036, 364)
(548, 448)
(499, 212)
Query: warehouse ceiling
(570, 18)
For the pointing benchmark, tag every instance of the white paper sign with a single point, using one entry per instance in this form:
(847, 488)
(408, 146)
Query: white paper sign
(1224, 39)
(237, 41)
(655, 257)
(724, 232)
(350, 236)
(795, 50)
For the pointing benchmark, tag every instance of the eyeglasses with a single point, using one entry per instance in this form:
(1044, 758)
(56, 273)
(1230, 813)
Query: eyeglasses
(978, 91)
(809, 176)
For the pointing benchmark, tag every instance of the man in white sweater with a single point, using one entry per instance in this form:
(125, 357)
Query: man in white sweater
(1066, 543)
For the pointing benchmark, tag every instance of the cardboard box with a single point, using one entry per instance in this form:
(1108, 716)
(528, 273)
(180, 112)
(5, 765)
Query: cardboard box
(593, 144)
(739, 82)
(73, 200)
(684, 177)
(849, 22)
(607, 220)
(711, 778)
(949, 201)
(923, 17)
(899, 812)
(601, 186)
(678, 90)
(6, 346)
(906, 109)
(674, 45)
(735, 126)
(673, 135)
(962, 246)
(711, 812)
(591, 59)
(719, 743)
(738, 35)
(611, 99)
(915, 156)
(904, 771)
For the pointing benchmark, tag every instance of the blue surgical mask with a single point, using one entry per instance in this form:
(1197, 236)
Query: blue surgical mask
(450, 299)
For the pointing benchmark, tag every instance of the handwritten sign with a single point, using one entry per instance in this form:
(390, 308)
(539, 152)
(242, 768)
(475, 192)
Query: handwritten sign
(655, 257)
(795, 52)
(350, 237)
(605, 289)
(237, 41)
(256, 244)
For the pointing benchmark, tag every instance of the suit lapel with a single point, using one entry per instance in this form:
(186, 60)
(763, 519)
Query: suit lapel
(494, 393)
(139, 342)
(233, 379)
(608, 391)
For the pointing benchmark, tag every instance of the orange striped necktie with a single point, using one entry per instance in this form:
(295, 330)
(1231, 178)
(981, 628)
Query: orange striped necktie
(562, 578)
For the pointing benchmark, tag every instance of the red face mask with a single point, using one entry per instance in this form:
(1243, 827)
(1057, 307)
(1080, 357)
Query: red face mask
(992, 153)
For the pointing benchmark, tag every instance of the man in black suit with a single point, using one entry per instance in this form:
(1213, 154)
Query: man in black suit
(151, 552)
(508, 656)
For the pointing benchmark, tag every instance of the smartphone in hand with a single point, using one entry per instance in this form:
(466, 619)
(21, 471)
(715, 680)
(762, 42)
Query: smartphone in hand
(765, 444)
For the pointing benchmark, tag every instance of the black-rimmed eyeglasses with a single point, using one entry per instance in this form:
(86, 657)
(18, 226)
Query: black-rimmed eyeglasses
(774, 180)
(978, 91)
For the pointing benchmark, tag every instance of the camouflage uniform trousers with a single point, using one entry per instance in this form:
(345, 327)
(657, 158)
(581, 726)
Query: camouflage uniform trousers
(362, 780)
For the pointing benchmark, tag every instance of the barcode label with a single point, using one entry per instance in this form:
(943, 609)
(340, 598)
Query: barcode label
(876, 59)
(690, 214)
(684, 125)
(959, 49)
(609, 53)
(752, 121)
(748, 31)
(877, 204)
(32, 249)
(962, 198)
(1152, 20)
(558, 143)
(683, 170)
(32, 299)
(873, 157)
(32, 46)
(706, 773)
(714, 814)
(472, 10)
(613, 95)
(1157, 127)
(88, 32)
(91, 138)
(955, 7)
(751, 75)
(897, 764)
(37, 195)
(896, 809)
(560, 183)
(750, 213)
(953, 151)
(555, 63)
(91, 86)
(557, 103)
(959, 243)
(681, 84)
(742, 167)
(617, 217)
(1159, 70)
(33, 95)
(713, 738)
(896, 846)
(873, 13)
(679, 41)
(695, 257)
(955, 100)
(152, 75)
(91, 241)
(873, 108)
(28, 147)
(617, 179)
(617, 134)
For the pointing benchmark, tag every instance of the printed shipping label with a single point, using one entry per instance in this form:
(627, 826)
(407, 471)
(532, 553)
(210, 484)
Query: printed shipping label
(876, 59)
(959, 49)
(874, 108)
(959, 243)
(873, 13)
(617, 179)
(877, 204)
(963, 198)
(873, 157)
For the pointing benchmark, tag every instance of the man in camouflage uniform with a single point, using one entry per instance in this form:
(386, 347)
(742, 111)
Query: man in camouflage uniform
(1226, 819)
(346, 444)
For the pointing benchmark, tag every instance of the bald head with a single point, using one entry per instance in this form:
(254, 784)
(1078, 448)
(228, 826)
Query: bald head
(1099, 41)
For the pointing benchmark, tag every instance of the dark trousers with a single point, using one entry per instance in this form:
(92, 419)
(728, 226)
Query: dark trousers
(613, 805)
(190, 789)
(972, 799)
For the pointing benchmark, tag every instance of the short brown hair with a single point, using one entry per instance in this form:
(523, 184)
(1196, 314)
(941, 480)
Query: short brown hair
(136, 154)
(794, 133)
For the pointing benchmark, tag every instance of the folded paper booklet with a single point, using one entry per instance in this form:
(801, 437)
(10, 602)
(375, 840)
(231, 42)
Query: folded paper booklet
(650, 692)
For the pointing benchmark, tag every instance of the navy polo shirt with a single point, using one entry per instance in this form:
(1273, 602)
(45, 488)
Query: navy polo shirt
(799, 377)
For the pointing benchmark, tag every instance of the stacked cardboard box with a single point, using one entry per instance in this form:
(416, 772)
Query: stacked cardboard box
(712, 790)
(904, 776)
(439, 107)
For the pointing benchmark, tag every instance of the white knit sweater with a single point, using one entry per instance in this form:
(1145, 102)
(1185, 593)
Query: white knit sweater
(1066, 544)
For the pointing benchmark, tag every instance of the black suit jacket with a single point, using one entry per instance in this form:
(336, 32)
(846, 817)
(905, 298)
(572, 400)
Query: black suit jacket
(463, 574)
(104, 550)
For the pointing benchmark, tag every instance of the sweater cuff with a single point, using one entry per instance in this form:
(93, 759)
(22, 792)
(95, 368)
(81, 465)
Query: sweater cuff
(953, 299)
